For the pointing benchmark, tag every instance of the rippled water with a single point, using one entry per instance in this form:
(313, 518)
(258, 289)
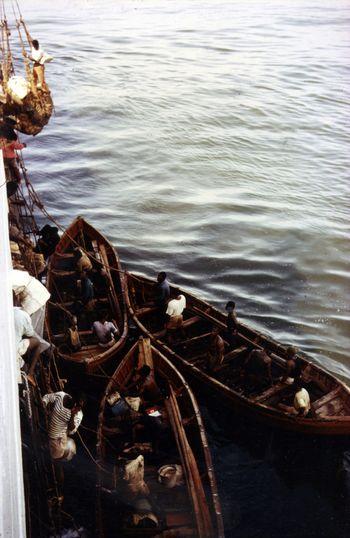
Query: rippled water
(211, 140)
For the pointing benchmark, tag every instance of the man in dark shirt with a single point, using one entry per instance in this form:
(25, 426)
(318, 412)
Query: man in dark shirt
(162, 290)
(231, 324)
(87, 290)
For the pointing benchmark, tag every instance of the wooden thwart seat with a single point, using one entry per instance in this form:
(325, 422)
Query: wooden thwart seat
(187, 323)
(193, 340)
(81, 333)
(145, 310)
(272, 391)
(71, 303)
(325, 399)
(62, 272)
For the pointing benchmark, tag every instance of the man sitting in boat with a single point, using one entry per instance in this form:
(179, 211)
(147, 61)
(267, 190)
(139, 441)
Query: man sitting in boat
(231, 324)
(301, 402)
(257, 370)
(216, 351)
(105, 331)
(87, 292)
(294, 366)
(144, 383)
(81, 261)
(72, 339)
(174, 315)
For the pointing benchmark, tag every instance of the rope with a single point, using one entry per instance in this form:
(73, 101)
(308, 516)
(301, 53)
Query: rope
(102, 434)
(27, 395)
(91, 456)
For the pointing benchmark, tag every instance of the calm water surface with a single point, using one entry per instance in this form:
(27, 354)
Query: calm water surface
(211, 140)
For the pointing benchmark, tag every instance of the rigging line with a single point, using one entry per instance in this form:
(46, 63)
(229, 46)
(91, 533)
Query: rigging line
(24, 53)
(102, 434)
(69, 516)
(91, 456)
(104, 265)
(19, 9)
(35, 199)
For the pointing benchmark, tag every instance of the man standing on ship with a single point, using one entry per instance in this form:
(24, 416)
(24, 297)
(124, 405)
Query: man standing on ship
(65, 416)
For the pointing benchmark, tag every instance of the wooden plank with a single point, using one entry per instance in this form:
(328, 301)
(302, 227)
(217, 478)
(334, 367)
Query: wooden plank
(71, 303)
(193, 340)
(195, 486)
(145, 353)
(81, 333)
(272, 391)
(187, 323)
(145, 310)
(115, 302)
(61, 273)
(326, 398)
(234, 353)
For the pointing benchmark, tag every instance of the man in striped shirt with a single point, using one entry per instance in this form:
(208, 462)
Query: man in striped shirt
(65, 416)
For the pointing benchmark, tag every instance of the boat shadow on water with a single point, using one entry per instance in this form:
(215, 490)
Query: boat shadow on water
(277, 483)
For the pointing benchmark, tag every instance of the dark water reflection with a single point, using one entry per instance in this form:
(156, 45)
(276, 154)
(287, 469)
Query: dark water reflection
(276, 483)
(210, 139)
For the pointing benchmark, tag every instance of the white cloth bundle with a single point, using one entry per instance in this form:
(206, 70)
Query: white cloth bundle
(134, 476)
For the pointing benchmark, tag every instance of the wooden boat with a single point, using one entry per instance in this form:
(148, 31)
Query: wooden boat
(110, 292)
(188, 509)
(330, 397)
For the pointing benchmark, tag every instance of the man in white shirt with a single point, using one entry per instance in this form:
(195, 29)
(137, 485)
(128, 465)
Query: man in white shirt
(26, 341)
(174, 315)
(37, 56)
(301, 402)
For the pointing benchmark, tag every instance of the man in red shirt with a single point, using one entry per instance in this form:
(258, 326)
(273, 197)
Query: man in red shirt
(9, 148)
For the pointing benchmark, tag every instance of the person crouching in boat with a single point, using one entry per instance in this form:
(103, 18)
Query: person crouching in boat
(105, 331)
(302, 404)
(81, 261)
(257, 370)
(72, 339)
(216, 351)
(174, 315)
(145, 383)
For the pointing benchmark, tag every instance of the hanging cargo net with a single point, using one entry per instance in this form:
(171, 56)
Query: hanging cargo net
(26, 98)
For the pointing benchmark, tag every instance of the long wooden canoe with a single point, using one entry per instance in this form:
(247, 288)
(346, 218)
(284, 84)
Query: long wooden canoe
(191, 509)
(110, 293)
(330, 397)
